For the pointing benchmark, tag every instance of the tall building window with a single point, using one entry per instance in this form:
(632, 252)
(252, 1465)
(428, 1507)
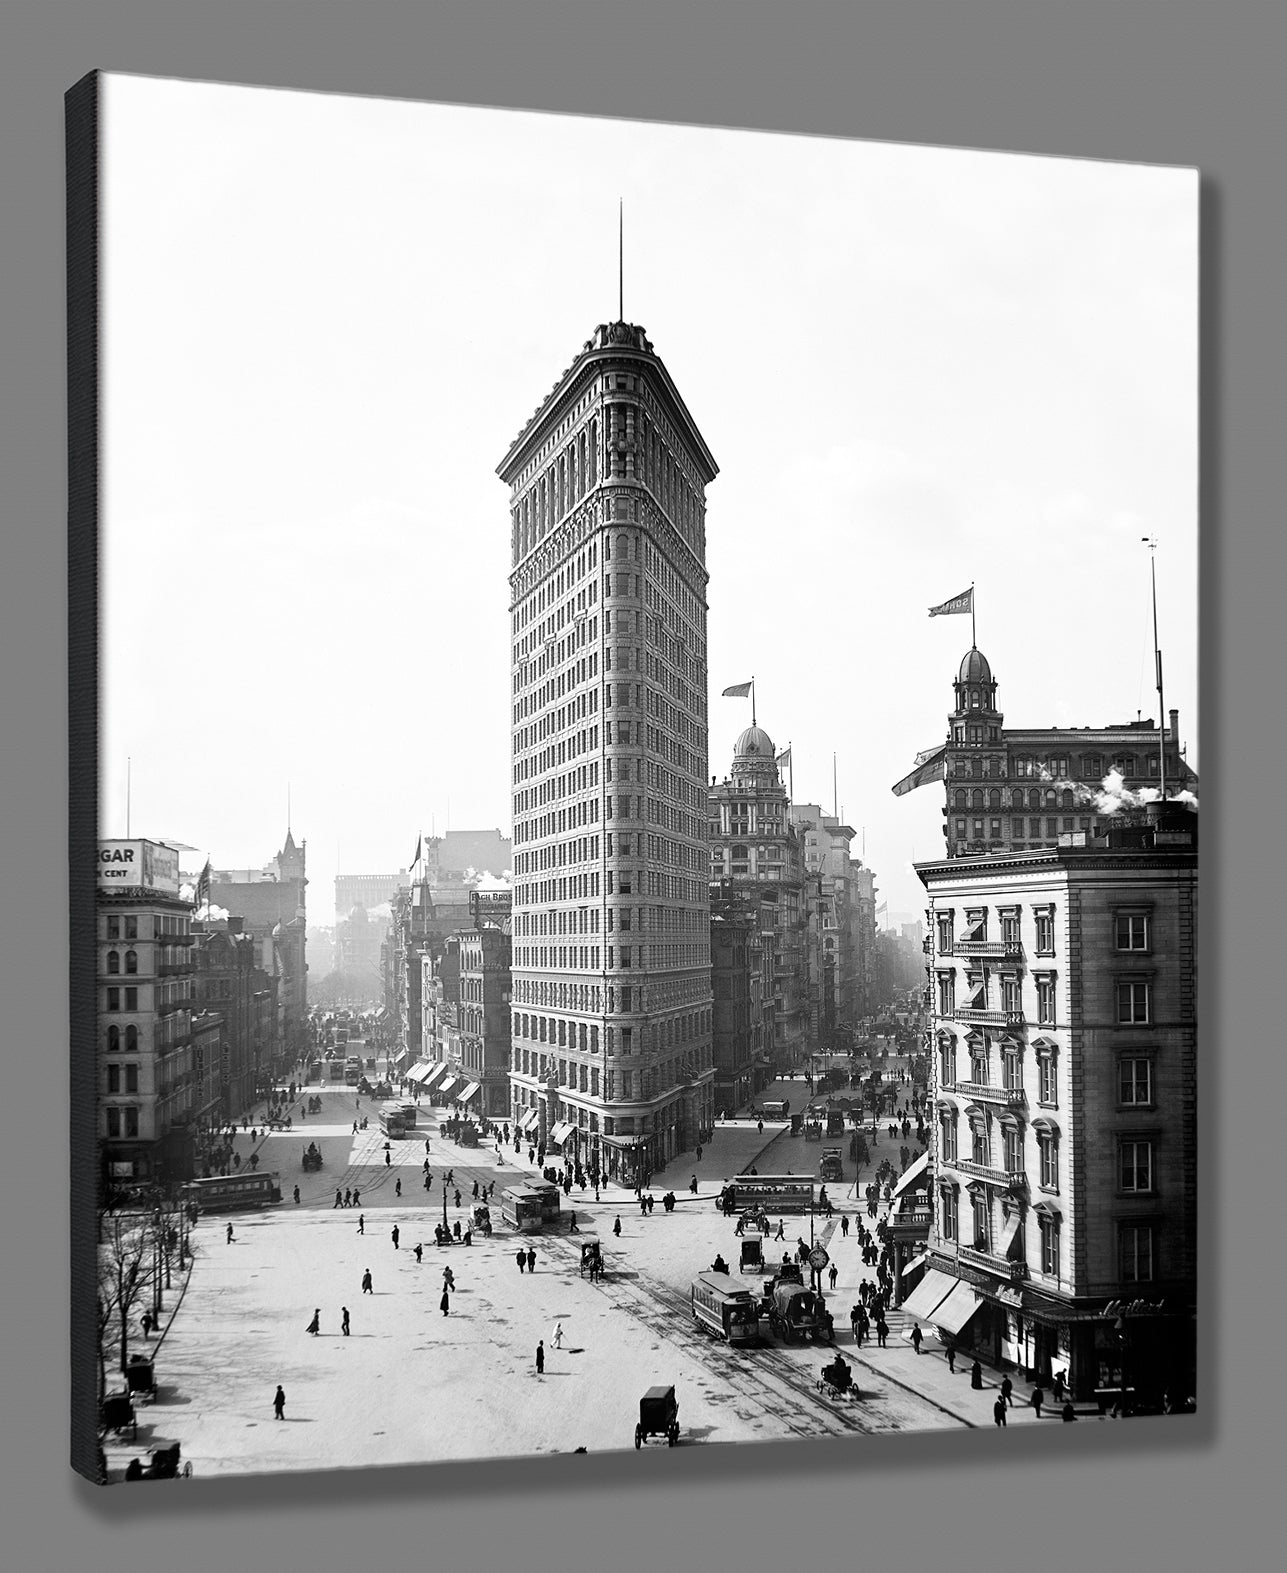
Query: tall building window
(1049, 1226)
(978, 1061)
(979, 1146)
(131, 1078)
(131, 962)
(946, 993)
(1134, 1003)
(1136, 1166)
(1013, 1140)
(113, 999)
(945, 942)
(113, 1078)
(1048, 1148)
(946, 1061)
(113, 928)
(131, 1122)
(1135, 1080)
(1045, 926)
(1131, 931)
(113, 1122)
(1047, 1077)
(948, 1204)
(1011, 1068)
(982, 1220)
(1010, 928)
(1136, 1248)
(947, 1134)
(1045, 982)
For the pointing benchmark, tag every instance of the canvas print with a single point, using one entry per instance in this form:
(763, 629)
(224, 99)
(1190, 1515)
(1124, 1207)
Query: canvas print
(644, 842)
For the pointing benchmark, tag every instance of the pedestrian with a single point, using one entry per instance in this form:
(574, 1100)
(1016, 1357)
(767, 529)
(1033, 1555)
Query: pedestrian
(998, 1412)
(229, 1234)
(475, 1190)
(279, 1403)
(882, 1329)
(348, 1198)
(297, 1196)
(456, 1196)
(1038, 1398)
(428, 1181)
(781, 1234)
(1068, 1412)
(917, 1337)
(361, 1229)
(357, 1197)
(854, 1314)
(844, 1225)
(616, 1228)
(420, 1251)
(397, 1188)
(1058, 1387)
(448, 1278)
(426, 1145)
(520, 1256)
(1007, 1390)
(692, 1185)
(540, 1357)
(315, 1326)
(976, 1377)
(395, 1235)
(949, 1349)
(531, 1260)
(833, 1273)
(558, 1335)
(344, 1320)
(366, 1282)
(444, 1305)
(450, 1177)
(339, 1201)
(388, 1161)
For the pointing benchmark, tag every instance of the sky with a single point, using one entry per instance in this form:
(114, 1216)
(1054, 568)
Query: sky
(325, 319)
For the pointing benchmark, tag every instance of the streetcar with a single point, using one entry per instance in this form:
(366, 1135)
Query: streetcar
(526, 1208)
(409, 1116)
(352, 1071)
(733, 1314)
(393, 1122)
(335, 1069)
(229, 1193)
(770, 1193)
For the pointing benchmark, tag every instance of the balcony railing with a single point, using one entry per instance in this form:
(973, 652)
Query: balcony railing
(991, 1263)
(986, 1018)
(984, 1092)
(911, 1221)
(989, 1172)
(1010, 950)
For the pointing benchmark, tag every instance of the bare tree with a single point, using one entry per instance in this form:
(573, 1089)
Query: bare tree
(127, 1267)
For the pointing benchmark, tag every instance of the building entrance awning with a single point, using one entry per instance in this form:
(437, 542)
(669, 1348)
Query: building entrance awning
(912, 1174)
(419, 1072)
(436, 1073)
(470, 1090)
(561, 1131)
(928, 1295)
(445, 1087)
(952, 1315)
(528, 1118)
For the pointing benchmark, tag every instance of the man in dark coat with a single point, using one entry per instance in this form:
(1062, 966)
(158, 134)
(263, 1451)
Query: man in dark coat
(520, 1256)
(344, 1320)
(366, 1282)
(315, 1326)
(531, 1260)
(444, 1305)
(540, 1358)
(279, 1403)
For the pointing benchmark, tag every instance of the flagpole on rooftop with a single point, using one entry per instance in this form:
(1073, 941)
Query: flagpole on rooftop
(974, 637)
(752, 701)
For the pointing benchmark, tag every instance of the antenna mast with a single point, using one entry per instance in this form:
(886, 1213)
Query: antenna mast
(621, 261)
(1151, 543)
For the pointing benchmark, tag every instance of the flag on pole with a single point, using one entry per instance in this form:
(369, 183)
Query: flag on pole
(784, 758)
(959, 603)
(416, 859)
(203, 885)
(738, 691)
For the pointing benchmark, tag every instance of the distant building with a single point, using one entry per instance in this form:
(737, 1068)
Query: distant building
(237, 976)
(757, 855)
(1018, 788)
(365, 891)
(148, 1092)
(740, 1015)
(271, 905)
(1064, 1040)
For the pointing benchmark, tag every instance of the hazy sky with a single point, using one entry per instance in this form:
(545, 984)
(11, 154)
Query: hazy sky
(326, 319)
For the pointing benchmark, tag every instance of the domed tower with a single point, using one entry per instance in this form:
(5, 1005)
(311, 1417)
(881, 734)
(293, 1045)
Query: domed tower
(976, 693)
(975, 761)
(755, 760)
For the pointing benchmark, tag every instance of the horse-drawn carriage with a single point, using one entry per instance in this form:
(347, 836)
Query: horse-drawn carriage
(116, 1413)
(140, 1378)
(752, 1255)
(312, 1158)
(837, 1380)
(658, 1416)
(163, 1464)
(591, 1256)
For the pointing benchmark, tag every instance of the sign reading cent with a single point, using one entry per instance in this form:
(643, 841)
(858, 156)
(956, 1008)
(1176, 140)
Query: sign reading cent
(147, 865)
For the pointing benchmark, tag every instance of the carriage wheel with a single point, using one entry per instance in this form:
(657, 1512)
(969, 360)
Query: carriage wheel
(638, 1437)
(672, 1436)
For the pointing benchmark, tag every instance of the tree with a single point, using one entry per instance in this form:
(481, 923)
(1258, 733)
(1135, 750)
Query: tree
(127, 1267)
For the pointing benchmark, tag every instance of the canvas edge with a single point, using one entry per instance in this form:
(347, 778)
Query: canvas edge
(82, 156)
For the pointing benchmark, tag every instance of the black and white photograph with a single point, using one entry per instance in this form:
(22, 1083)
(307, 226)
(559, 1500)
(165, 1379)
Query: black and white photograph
(648, 786)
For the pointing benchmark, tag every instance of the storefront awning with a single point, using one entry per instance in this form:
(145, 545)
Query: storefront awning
(470, 1091)
(561, 1131)
(911, 1264)
(913, 1173)
(435, 1074)
(528, 1118)
(445, 1087)
(952, 1315)
(419, 1072)
(928, 1295)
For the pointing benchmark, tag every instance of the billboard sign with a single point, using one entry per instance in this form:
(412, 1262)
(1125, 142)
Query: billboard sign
(138, 865)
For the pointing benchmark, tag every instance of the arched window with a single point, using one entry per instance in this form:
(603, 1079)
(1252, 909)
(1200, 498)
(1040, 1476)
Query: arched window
(1016, 798)
(131, 961)
(113, 1039)
(1052, 797)
(1034, 798)
(959, 800)
(994, 799)
(976, 799)
(113, 962)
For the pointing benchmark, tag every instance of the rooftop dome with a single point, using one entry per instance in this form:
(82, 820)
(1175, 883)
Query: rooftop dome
(756, 743)
(974, 668)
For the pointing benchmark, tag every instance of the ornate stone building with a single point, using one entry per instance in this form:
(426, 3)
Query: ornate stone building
(1019, 788)
(1064, 1036)
(611, 1019)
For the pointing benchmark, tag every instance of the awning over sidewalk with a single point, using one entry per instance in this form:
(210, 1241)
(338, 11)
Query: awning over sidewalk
(928, 1295)
(419, 1072)
(470, 1091)
(914, 1172)
(561, 1131)
(910, 1264)
(435, 1074)
(528, 1118)
(952, 1315)
(445, 1087)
